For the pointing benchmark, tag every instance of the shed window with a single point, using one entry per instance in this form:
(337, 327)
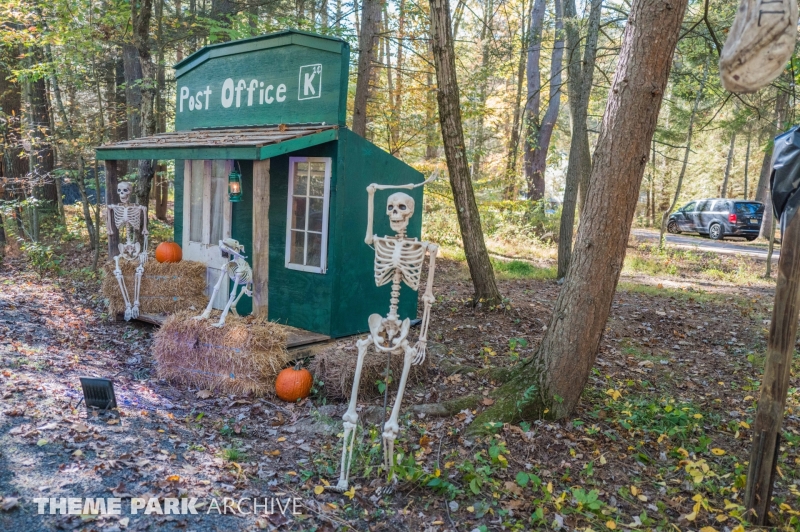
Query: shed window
(307, 213)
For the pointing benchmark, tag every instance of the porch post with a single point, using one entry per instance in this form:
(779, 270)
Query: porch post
(260, 238)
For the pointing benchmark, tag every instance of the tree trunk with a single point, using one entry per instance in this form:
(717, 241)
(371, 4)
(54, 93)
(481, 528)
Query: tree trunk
(141, 39)
(534, 97)
(486, 31)
(161, 190)
(112, 180)
(746, 168)
(396, 99)
(120, 108)
(469, 219)
(510, 189)
(80, 180)
(728, 164)
(536, 153)
(431, 147)
(579, 87)
(370, 22)
(550, 384)
(686, 153)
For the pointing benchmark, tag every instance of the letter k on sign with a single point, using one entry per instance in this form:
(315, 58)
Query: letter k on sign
(310, 85)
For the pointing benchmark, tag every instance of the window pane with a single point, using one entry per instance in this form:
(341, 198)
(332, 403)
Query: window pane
(299, 213)
(301, 179)
(298, 241)
(317, 185)
(314, 254)
(315, 214)
(218, 190)
(196, 202)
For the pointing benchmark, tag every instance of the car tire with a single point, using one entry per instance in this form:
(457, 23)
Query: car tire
(715, 232)
(672, 227)
(751, 238)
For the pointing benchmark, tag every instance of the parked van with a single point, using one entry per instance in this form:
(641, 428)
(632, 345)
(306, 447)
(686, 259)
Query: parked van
(718, 218)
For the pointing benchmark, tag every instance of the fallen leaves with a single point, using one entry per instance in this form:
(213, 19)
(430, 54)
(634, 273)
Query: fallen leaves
(8, 503)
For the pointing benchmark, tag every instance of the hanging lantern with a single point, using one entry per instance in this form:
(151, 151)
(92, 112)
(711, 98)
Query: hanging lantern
(235, 186)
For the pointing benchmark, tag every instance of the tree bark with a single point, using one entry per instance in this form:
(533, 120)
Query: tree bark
(538, 141)
(141, 40)
(579, 87)
(549, 385)
(534, 90)
(686, 153)
(728, 164)
(469, 219)
(480, 130)
(746, 167)
(370, 22)
(510, 188)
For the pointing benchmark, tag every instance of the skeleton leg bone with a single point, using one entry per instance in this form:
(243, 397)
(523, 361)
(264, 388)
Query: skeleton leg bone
(392, 428)
(350, 419)
(207, 312)
(123, 289)
(227, 309)
(136, 285)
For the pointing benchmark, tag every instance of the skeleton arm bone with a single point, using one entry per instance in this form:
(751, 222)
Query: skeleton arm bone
(145, 232)
(428, 299)
(371, 200)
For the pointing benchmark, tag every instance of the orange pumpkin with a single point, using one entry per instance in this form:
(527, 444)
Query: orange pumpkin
(168, 252)
(293, 384)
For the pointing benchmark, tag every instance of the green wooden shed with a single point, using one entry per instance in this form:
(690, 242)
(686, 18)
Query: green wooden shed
(272, 108)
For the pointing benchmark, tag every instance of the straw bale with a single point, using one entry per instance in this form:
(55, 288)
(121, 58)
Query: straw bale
(167, 287)
(336, 368)
(242, 357)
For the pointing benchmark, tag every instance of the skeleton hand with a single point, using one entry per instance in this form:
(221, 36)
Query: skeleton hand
(421, 347)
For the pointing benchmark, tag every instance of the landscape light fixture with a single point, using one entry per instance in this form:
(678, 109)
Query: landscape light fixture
(235, 186)
(98, 393)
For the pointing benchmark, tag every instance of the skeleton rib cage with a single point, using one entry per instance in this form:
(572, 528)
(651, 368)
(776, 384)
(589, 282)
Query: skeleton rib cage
(399, 255)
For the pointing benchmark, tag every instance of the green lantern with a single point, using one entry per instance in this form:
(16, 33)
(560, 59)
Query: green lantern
(235, 186)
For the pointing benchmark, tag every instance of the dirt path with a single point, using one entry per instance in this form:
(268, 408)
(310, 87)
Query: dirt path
(688, 241)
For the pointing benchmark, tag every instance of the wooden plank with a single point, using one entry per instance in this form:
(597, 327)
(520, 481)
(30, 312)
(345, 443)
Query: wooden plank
(301, 337)
(200, 152)
(764, 452)
(260, 253)
(112, 180)
(281, 148)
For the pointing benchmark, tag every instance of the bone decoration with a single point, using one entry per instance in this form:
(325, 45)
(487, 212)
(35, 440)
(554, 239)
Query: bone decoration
(398, 259)
(128, 220)
(236, 270)
(760, 42)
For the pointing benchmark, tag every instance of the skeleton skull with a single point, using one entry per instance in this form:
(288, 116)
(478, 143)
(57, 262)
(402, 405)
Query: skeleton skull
(124, 189)
(400, 208)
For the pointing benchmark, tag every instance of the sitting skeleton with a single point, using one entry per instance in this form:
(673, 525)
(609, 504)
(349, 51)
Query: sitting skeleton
(398, 259)
(239, 272)
(127, 220)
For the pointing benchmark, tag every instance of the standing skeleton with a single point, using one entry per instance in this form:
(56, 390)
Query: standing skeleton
(398, 259)
(238, 271)
(128, 219)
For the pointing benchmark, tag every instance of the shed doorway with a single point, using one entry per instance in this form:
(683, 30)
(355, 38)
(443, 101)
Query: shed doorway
(207, 219)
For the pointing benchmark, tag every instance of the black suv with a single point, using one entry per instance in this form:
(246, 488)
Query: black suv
(718, 218)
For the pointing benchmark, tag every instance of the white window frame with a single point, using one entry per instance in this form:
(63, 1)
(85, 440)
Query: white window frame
(322, 268)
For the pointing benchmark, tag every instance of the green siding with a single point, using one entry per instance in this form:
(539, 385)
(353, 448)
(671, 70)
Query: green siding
(296, 298)
(356, 296)
(242, 226)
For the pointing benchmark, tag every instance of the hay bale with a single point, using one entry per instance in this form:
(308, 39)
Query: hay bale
(242, 357)
(167, 287)
(336, 368)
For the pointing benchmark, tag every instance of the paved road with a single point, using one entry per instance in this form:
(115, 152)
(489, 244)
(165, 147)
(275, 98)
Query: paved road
(729, 247)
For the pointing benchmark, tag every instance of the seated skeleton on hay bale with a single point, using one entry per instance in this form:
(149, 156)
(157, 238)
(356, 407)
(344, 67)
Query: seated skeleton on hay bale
(239, 272)
(129, 219)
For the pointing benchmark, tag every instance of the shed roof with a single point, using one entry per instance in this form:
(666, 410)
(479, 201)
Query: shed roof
(245, 143)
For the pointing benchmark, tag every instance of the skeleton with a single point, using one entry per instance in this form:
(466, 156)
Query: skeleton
(128, 219)
(398, 259)
(760, 42)
(239, 272)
